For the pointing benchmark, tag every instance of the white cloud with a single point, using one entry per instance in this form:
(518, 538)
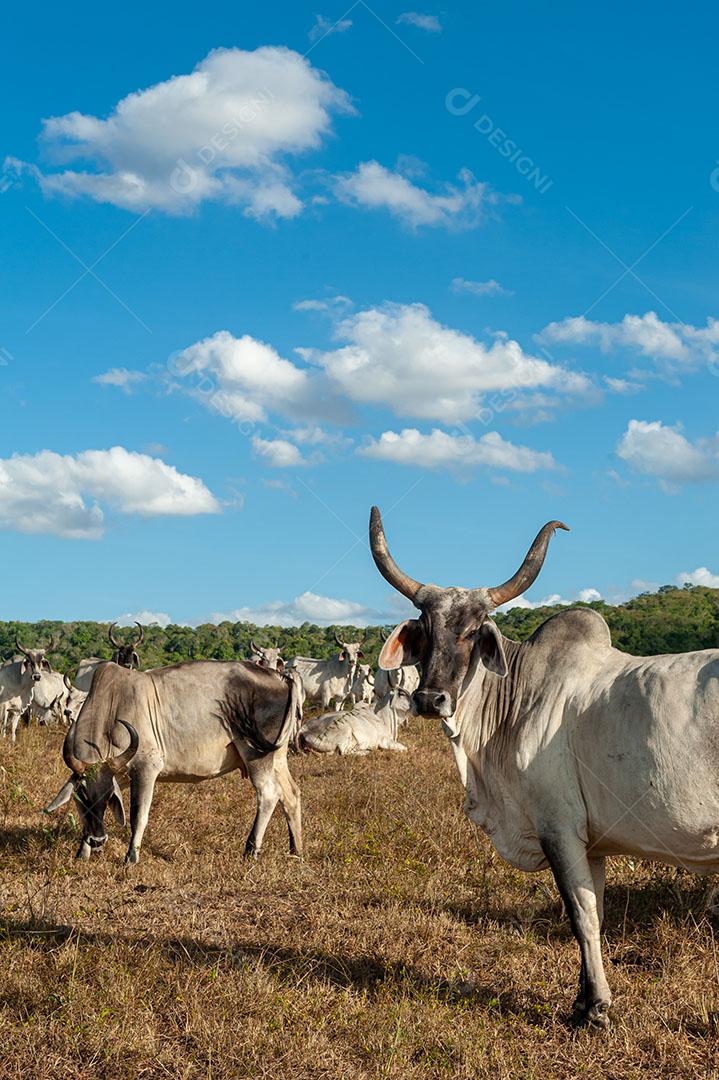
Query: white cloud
(278, 453)
(145, 618)
(324, 27)
(651, 448)
(479, 288)
(245, 380)
(222, 132)
(374, 186)
(64, 494)
(673, 346)
(399, 356)
(430, 23)
(439, 450)
(622, 386)
(309, 607)
(584, 596)
(332, 305)
(120, 377)
(700, 576)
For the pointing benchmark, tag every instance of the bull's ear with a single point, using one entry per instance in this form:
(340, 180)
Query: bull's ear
(403, 646)
(115, 803)
(360, 654)
(64, 795)
(491, 650)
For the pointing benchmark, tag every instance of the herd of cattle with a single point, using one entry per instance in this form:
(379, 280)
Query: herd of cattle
(569, 750)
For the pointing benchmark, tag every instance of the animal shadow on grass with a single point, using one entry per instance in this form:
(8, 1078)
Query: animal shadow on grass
(25, 837)
(296, 967)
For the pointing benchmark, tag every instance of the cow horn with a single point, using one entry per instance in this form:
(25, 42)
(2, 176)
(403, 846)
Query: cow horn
(528, 571)
(339, 640)
(384, 633)
(254, 647)
(141, 638)
(385, 563)
(121, 760)
(117, 644)
(52, 647)
(66, 680)
(74, 764)
(21, 648)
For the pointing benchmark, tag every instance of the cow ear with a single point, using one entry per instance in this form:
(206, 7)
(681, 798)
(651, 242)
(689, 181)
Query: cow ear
(403, 646)
(64, 795)
(116, 804)
(491, 650)
(23, 667)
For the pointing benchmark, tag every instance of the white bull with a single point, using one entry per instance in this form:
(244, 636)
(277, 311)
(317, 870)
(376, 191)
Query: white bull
(568, 749)
(329, 681)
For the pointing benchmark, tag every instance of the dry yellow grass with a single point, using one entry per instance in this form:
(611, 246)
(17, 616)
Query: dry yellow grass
(399, 947)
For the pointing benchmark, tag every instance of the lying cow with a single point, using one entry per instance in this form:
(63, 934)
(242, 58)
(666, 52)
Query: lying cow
(184, 723)
(568, 749)
(357, 730)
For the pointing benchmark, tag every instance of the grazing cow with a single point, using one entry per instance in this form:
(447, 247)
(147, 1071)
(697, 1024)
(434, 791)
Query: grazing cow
(48, 698)
(188, 722)
(357, 730)
(267, 658)
(362, 685)
(124, 654)
(569, 750)
(74, 700)
(329, 681)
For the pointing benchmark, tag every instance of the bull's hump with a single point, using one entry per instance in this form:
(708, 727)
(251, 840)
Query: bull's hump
(571, 629)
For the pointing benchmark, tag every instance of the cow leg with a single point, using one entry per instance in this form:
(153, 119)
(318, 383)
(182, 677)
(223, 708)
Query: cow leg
(268, 793)
(577, 883)
(14, 721)
(290, 798)
(142, 788)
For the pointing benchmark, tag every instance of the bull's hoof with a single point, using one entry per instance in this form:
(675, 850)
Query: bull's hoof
(252, 853)
(83, 852)
(132, 857)
(595, 1017)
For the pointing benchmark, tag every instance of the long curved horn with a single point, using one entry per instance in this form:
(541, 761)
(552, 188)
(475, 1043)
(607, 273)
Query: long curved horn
(141, 638)
(52, 646)
(254, 647)
(384, 634)
(117, 644)
(385, 563)
(66, 680)
(74, 764)
(21, 648)
(339, 640)
(121, 760)
(528, 571)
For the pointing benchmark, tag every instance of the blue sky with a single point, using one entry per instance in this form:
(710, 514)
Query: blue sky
(454, 261)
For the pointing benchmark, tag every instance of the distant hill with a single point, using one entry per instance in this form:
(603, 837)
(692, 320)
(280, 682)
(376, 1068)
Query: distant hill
(670, 620)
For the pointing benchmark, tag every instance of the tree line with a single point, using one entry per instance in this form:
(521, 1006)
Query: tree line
(670, 620)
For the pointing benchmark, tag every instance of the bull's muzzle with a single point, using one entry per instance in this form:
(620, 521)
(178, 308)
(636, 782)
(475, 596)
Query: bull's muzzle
(435, 703)
(96, 841)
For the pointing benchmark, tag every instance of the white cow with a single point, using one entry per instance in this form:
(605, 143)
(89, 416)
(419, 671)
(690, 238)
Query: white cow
(568, 749)
(405, 678)
(357, 730)
(329, 681)
(17, 678)
(362, 685)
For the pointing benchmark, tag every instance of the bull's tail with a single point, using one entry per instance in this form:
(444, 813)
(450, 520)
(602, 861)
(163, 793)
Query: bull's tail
(241, 720)
(293, 714)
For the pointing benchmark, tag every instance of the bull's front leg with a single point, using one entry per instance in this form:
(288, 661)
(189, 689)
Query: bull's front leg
(142, 787)
(581, 885)
(268, 793)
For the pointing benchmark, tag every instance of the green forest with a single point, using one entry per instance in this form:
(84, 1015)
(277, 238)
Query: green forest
(670, 620)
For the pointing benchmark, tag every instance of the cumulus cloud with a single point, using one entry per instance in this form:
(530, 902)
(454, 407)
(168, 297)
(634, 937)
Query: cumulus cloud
(332, 305)
(430, 23)
(701, 576)
(377, 188)
(222, 132)
(64, 494)
(673, 347)
(657, 450)
(439, 450)
(144, 618)
(584, 596)
(399, 356)
(309, 607)
(278, 453)
(324, 27)
(246, 380)
(479, 288)
(121, 378)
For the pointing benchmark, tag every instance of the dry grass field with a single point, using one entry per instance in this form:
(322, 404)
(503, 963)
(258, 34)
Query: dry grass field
(398, 947)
